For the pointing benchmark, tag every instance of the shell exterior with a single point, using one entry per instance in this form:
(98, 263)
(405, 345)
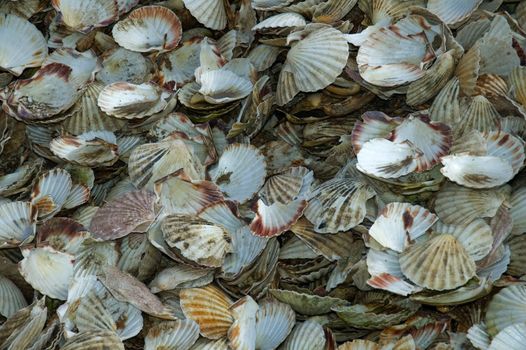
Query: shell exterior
(419, 263)
(242, 333)
(274, 322)
(307, 335)
(51, 192)
(13, 299)
(277, 218)
(222, 86)
(86, 15)
(386, 159)
(180, 334)
(211, 14)
(25, 40)
(506, 308)
(148, 28)
(17, 223)
(287, 19)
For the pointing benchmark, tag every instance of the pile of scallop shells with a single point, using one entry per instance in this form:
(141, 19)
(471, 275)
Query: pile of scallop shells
(262, 174)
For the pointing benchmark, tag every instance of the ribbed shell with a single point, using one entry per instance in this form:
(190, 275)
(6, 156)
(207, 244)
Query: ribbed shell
(481, 115)
(287, 19)
(308, 335)
(124, 215)
(86, 15)
(439, 264)
(511, 338)
(123, 65)
(48, 271)
(17, 223)
(94, 340)
(274, 323)
(149, 28)
(386, 159)
(50, 192)
(306, 304)
(172, 335)
(242, 333)
(276, 218)
(240, 172)
(22, 45)
(446, 107)
(476, 236)
(223, 86)
(506, 308)
(209, 308)
(12, 298)
(477, 171)
(452, 12)
(210, 13)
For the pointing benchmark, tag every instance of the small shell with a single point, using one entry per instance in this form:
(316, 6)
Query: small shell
(180, 334)
(359, 344)
(197, 239)
(439, 264)
(446, 107)
(210, 13)
(17, 223)
(274, 323)
(374, 125)
(94, 340)
(180, 276)
(133, 211)
(148, 28)
(286, 186)
(84, 16)
(468, 69)
(209, 308)
(246, 247)
(307, 335)
(48, 271)
(23, 45)
(240, 172)
(517, 211)
(130, 101)
(306, 304)
(399, 224)
(51, 192)
(392, 284)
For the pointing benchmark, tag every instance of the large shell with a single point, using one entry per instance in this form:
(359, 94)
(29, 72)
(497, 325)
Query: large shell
(506, 308)
(386, 159)
(242, 333)
(477, 171)
(274, 323)
(51, 192)
(94, 149)
(124, 66)
(23, 45)
(209, 308)
(86, 15)
(149, 28)
(307, 335)
(440, 264)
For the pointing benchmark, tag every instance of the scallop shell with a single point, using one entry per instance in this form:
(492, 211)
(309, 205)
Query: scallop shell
(374, 125)
(477, 171)
(209, 308)
(94, 340)
(127, 288)
(338, 205)
(481, 115)
(48, 271)
(468, 35)
(14, 182)
(246, 247)
(23, 46)
(468, 70)
(511, 337)
(478, 336)
(197, 239)
(518, 206)
(12, 298)
(399, 224)
(332, 11)
(91, 314)
(386, 159)
(84, 16)
(83, 65)
(276, 218)
(306, 304)
(93, 256)
(274, 321)
(178, 66)
(263, 56)
(359, 344)
(392, 284)
(211, 13)
(205, 344)
(432, 139)
(242, 333)
(452, 12)
(223, 86)
(180, 334)
(434, 79)
(148, 28)
(138, 256)
(240, 172)
(51, 192)
(133, 211)
(17, 223)
(180, 276)
(43, 96)
(517, 79)
(307, 335)
(130, 101)
(78, 195)
(121, 65)
(506, 308)
(27, 333)
(304, 69)
(62, 234)
(282, 20)
(456, 267)
(446, 107)
(94, 148)
(476, 237)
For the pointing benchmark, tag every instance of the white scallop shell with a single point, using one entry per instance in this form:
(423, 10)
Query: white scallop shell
(86, 15)
(210, 13)
(17, 223)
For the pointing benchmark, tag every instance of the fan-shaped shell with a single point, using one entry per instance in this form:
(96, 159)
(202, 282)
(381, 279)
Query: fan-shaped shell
(149, 28)
(17, 223)
(274, 323)
(506, 308)
(512, 337)
(307, 335)
(211, 13)
(440, 264)
(386, 159)
(96, 148)
(51, 192)
(22, 46)
(172, 335)
(84, 16)
(94, 340)
(223, 86)
(209, 308)
(12, 298)
(453, 12)
(287, 19)
(121, 65)
(477, 171)
(242, 333)
(276, 218)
